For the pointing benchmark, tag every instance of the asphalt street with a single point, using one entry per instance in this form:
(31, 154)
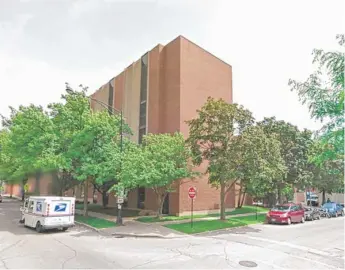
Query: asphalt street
(313, 245)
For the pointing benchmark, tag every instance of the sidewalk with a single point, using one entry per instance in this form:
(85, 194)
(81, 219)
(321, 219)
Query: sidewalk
(138, 229)
(206, 218)
(133, 228)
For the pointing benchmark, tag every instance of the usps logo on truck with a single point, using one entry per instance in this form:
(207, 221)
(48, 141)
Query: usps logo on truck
(60, 207)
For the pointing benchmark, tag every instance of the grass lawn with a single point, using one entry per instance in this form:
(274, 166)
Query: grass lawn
(212, 225)
(244, 210)
(97, 223)
(111, 211)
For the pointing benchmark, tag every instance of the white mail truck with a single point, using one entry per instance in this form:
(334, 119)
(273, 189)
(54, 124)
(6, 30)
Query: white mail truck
(48, 212)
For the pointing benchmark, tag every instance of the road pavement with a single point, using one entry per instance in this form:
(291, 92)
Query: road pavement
(313, 245)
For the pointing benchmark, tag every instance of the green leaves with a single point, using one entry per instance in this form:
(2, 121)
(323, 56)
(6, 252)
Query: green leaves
(213, 137)
(261, 163)
(323, 92)
(157, 163)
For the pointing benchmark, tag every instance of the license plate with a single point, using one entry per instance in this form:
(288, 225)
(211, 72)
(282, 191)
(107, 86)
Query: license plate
(273, 219)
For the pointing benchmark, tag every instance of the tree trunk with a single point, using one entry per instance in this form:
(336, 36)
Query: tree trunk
(23, 190)
(37, 183)
(323, 196)
(239, 196)
(11, 191)
(105, 199)
(243, 196)
(271, 200)
(160, 203)
(222, 200)
(279, 194)
(86, 197)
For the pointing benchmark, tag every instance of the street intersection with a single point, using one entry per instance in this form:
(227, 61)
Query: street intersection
(317, 245)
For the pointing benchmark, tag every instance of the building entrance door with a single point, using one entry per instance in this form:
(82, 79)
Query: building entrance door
(165, 210)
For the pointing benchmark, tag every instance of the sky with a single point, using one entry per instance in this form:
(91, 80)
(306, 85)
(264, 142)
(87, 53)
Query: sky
(44, 44)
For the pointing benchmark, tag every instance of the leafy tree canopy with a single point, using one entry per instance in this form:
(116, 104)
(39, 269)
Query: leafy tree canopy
(323, 92)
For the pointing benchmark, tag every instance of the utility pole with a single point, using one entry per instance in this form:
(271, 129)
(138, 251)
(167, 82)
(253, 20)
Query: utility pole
(119, 200)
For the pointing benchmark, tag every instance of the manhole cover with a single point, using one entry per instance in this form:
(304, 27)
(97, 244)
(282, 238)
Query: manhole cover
(248, 263)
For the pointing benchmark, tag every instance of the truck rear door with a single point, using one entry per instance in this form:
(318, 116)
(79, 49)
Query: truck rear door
(60, 212)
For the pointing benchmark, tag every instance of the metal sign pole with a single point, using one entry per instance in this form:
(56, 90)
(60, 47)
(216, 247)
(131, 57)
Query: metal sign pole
(191, 217)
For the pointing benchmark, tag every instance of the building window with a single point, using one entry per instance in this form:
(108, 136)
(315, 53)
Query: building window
(111, 95)
(143, 98)
(141, 198)
(143, 78)
(142, 133)
(142, 121)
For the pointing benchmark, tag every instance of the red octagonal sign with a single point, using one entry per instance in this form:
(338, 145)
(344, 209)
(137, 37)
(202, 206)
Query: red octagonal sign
(192, 192)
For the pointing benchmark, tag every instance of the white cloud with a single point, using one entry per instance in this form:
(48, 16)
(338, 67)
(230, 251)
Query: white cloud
(266, 42)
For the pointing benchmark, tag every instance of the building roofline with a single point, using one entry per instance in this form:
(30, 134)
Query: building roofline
(159, 44)
(182, 37)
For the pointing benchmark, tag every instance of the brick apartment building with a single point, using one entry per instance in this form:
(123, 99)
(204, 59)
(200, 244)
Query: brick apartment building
(157, 94)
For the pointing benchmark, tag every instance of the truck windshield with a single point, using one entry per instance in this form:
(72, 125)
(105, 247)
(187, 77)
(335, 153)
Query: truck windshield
(281, 208)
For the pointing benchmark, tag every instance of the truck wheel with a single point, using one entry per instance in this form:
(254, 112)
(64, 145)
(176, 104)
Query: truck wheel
(39, 228)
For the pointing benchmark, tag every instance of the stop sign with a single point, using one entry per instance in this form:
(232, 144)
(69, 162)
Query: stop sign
(192, 192)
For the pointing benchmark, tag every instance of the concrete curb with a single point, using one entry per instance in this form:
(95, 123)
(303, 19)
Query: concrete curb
(87, 226)
(154, 236)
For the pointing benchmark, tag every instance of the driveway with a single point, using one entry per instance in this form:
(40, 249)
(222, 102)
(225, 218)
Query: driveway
(317, 245)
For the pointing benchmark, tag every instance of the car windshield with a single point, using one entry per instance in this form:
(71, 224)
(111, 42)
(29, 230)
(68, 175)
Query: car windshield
(281, 208)
(328, 205)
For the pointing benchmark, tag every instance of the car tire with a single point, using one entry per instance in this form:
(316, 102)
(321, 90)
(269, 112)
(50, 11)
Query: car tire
(302, 220)
(289, 221)
(319, 217)
(39, 227)
(64, 229)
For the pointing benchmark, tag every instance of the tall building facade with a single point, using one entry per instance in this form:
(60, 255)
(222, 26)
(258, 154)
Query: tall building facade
(157, 94)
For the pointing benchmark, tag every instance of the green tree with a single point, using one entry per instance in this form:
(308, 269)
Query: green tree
(95, 151)
(29, 134)
(159, 163)
(260, 163)
(323, 92)
(293, 150)
(213, 138)
(328, 176)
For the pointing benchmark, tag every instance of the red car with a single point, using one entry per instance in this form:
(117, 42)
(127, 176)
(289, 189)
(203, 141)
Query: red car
(286, 214)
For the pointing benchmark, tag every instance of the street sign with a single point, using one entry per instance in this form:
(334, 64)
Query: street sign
(192, 196)
(26, 188)
(120, 200)
(192, 192)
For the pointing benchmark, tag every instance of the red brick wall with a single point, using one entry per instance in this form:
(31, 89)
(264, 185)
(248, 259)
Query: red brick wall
(202, 75)
(181, 77)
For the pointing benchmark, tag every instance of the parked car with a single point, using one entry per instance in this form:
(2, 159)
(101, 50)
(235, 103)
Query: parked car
(0, 198)
(286, 214)
(333, 209)
(311, 213)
